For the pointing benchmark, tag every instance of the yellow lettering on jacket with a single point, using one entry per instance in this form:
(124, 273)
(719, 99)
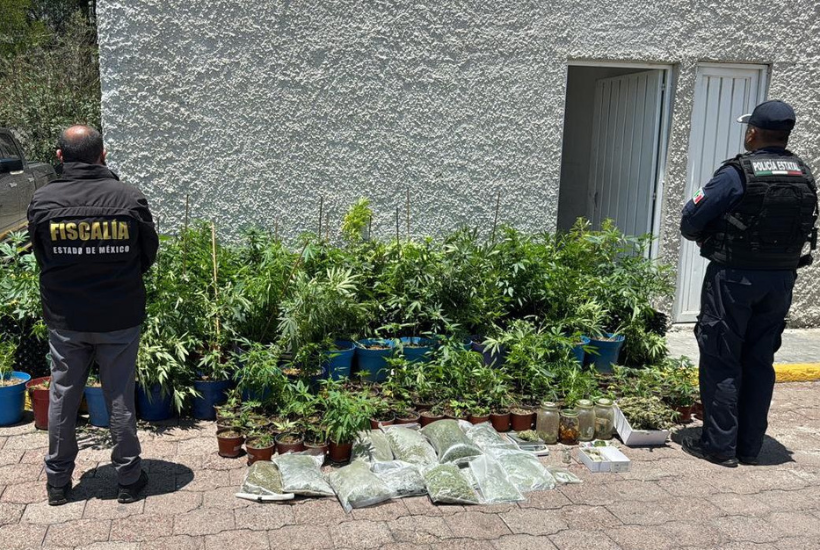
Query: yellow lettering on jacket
(71, 231)
(123, 231)
(55, 228)
(96, 231)
(84, 228)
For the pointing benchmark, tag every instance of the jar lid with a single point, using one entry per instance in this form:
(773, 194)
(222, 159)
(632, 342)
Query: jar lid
(584, 404)
(604, 402)
(569, 412)
(548, 405)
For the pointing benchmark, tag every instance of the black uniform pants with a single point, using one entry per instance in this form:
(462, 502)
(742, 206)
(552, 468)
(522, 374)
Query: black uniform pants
(741, 320)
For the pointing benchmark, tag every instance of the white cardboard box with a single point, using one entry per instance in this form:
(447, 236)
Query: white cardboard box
(612, 460)
(638, 438)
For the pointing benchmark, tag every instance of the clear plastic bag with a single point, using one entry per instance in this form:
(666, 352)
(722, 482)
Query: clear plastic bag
(262, 478)
(301, 474)
(446, 485)
(403, 479)
(372, 446)
(493, 481)
(410, 446)
(564, 476)
(449, 441)
(524, 470)
(485, 437)
(357, 487)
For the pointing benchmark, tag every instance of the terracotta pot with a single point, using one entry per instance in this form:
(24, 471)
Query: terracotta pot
(317, 448)
(685, 414)
(413, 419)
(229, 447)
(428, 418)
(421, 407)
(39, 402)
(258, 453)
(375, 424)
(340, 452)
(522, 421)
(501, 422)
(479, 419)
(283, 448)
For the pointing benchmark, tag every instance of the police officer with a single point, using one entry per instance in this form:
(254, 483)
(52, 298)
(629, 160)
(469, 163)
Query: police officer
(752, 220)
(93, 237)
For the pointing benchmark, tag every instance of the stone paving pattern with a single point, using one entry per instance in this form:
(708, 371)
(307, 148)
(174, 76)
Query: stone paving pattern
(667, 500)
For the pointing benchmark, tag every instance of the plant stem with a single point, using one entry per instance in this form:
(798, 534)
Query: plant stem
(495, 220)
(408, 214)
(321, 212)
(216, 287)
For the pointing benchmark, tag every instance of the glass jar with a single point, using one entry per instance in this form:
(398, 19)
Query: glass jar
(568, 427)
(586, 420)
(604, 419)
(546, 423)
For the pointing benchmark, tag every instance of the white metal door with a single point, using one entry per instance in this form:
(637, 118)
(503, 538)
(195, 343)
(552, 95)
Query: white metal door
(722, 93)
(625, 146)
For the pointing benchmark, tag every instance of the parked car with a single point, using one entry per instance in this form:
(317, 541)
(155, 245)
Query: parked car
(19, 180)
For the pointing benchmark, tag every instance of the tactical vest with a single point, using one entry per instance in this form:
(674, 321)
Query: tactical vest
(774, 219)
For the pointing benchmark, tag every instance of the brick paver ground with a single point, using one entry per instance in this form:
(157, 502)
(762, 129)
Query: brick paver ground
(668, 500)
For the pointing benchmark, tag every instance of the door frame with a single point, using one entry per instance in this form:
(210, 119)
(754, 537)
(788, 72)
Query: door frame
(764, 71)
(669, 88)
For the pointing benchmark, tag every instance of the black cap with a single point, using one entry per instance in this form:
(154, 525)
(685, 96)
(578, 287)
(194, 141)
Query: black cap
(771, 115)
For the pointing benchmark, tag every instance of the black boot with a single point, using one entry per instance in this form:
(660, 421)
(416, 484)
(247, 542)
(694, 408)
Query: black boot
(130, 493)
(694, 447)
(57, 496)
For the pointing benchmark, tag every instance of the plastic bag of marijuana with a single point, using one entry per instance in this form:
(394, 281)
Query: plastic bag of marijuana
(564, 476)
(372, 446)
(410, 446)
(357, 487)
(263, 478)
(403, 479)
(485, 437)
(493, 481)
(524, 470)
(446, 485)
(449, 441)
(301, 474)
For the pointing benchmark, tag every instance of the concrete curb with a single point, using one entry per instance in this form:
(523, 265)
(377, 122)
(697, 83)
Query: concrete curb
(797, 372)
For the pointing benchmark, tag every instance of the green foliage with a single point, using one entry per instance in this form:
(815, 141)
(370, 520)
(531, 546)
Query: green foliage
(357, 220)
(346, 413)
(49, 74)
(20, 287)
(7, 350)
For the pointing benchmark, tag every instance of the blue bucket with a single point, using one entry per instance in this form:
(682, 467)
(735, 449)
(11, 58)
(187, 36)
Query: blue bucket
(153, 404)
(13, 399)
(374, 361)
(213, 392)
(416, 349)
(490, 359)
(340, 360)
(608, 352)
(97, 409)
(578, 350)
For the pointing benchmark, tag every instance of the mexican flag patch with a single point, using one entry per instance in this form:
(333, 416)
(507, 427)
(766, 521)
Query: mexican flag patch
(699, 196)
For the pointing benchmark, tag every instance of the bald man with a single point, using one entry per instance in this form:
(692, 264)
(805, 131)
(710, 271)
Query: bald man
(94, 238)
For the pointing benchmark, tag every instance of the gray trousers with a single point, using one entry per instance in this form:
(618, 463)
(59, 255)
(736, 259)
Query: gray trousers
(72, 355)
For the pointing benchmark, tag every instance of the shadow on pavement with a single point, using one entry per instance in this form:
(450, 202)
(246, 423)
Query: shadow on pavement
(773, 452)
(163, 477)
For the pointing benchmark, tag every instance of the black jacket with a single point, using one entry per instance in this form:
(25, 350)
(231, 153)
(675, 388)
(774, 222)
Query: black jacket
(93, 237)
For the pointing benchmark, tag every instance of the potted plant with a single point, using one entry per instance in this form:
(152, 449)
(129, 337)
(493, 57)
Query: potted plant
(38, 390)
(479, 414)
(606, 350)
(316, 440)
(346, 414)
(372, 354)
(260, 446)
(522, 418)
(416, 349)
(405, 414)
(381, 415)
(213, 382)
(680, 386)
(97, 408)
(230, 442)
(457, 409)
(436, 412)
(288, 438)
(12, 386)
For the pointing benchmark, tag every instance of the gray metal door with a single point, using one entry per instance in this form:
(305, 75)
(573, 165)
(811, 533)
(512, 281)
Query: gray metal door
(722, 93)
(625, 146)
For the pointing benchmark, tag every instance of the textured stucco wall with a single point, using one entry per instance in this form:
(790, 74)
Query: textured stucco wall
(257, 108)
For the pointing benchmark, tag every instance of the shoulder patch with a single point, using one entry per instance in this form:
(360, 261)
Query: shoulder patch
(699, 196)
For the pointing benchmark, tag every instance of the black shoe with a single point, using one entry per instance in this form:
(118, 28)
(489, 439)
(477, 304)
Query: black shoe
(57, 496)
(749, 460)
(130, 493)
(695, 448)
